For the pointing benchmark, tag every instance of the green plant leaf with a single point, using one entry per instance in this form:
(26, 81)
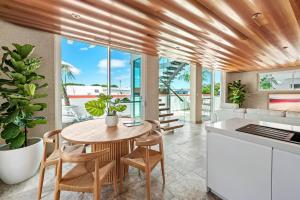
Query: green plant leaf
(24, 50)
(15, 56)
(18, 141)
(30, 89)
(43, 105)
(5, 82)
(32, 108)
(35, 120)
(5, 48)
(10, 130)
(41, 95)
(4, 106)
(125, 100)
(42, 86)
(8, 91)
(9, 117)
(121, 108)
(18, 77)
(19, 66)
(95, 107)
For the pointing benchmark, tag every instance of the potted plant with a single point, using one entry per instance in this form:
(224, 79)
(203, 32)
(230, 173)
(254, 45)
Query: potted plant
(237, 92)
(108, 104)
(20, 156)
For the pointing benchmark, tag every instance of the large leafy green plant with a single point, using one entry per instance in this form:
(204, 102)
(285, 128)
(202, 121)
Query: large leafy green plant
(106, 103)
(237, 92)
(19, 84)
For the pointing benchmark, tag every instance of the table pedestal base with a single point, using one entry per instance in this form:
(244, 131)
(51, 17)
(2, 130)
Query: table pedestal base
(117, 150)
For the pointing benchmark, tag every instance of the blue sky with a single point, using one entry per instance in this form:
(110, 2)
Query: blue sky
(90, 64)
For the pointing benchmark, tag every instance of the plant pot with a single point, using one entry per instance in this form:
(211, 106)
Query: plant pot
(17, 165)
(111, 120)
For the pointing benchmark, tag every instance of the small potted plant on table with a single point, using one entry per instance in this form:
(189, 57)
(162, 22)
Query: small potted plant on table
(108, 104)
(21, 156)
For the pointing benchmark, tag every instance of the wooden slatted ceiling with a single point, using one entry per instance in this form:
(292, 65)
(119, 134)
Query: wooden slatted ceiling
(235, 35)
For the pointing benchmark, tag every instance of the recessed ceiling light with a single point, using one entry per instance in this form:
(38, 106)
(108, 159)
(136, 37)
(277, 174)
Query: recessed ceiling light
(75, 16)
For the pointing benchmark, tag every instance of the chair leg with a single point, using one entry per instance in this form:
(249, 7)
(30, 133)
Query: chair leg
(56, 168)
(148, 183)
(41, 181)
(56, 193)
(97, 193)
(162, 165)
(115, 181)
(121, 175)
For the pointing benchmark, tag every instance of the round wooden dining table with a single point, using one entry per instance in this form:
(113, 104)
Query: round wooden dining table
(99, 136)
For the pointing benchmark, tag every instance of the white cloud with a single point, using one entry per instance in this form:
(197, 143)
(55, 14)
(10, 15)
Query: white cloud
(73, 69)
(84, 49)
(70, 42)
(92, 46)
(115, 63)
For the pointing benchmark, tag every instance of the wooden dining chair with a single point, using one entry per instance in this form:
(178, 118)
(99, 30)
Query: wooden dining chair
(144, 158)
(86, 176)
(52, 137)
(155, 124)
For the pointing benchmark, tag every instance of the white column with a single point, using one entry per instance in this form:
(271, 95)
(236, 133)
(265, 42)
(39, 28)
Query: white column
(150, 86)
(196, 93)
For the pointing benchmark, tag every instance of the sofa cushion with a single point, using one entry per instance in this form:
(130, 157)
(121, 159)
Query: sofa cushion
(290, 114)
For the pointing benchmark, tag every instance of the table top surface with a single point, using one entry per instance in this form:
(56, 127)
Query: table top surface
(96, 131)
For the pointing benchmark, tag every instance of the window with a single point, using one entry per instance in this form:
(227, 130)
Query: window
(84, 72)
(283, 80)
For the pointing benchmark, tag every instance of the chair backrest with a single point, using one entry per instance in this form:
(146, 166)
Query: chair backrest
(155, 124)
(52, 137)
(80, 158)
(154, 139)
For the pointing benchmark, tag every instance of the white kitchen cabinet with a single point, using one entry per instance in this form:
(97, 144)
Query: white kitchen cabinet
(237, 169)
(285, 176)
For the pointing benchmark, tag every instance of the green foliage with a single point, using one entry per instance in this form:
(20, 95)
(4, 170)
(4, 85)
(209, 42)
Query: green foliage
(267, 82)
(237, 92)
(74, 84)
(206, 89)
(19, 93)
(106, 103)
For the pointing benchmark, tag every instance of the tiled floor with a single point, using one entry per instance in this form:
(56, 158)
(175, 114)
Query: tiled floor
(185, 155)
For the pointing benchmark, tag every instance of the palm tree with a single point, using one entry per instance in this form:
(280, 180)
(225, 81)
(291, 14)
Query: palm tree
(67, 71)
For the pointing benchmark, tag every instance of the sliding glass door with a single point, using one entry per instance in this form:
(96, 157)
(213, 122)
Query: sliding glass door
(88, 70)
(207, 106)
(211, 92)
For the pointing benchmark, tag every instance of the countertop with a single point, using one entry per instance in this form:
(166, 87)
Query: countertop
(228, 128)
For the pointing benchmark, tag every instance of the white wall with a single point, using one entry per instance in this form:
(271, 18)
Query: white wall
(47, 47)
(255, 98)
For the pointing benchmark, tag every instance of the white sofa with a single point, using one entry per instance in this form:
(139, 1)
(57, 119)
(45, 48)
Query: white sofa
(283, 117)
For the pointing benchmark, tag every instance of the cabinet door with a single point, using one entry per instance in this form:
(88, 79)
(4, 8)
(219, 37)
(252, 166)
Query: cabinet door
(285, 176)
(238, 170)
